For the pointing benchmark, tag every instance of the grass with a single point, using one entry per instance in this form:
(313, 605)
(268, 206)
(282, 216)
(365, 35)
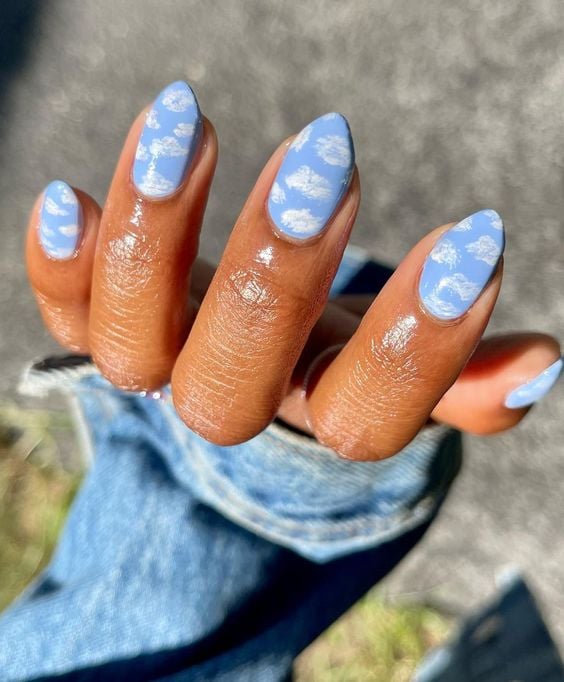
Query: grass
(35, 494)
(373, 642)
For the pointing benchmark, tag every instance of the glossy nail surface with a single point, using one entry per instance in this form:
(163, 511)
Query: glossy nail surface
(461, 264)
(313, 177)
(168, 141)
(537, 388)
(60, 225)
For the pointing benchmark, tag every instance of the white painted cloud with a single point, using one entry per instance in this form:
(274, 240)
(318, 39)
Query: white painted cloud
(46, 230)
(485, 249)
(301, 138)
(495, 219)
(142, 153)
(69, 230)
(151, 120)
(439, 307)
(301, 221)
(184, 130)
(309, 183)
(167, 146)
(68, 197)
(460, 285)
(334, 150)
(155, 184)
(52, 207)
(446, 253)
(178, 100)
(62, 251)
(277, 194)
(329, 117)
(463, 225)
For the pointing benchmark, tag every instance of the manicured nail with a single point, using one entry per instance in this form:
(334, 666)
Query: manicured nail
(173, 128)
(60, 225)
(461, 264)
(314, 176)
(536, 388)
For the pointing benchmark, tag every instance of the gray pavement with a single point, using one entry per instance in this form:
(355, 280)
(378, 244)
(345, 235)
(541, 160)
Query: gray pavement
(454, 106)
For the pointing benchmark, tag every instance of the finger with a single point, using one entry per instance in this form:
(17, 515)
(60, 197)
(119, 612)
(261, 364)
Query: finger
(504, 377)
(60, 246)
(148, 241)
(412, 343)
(270, 286)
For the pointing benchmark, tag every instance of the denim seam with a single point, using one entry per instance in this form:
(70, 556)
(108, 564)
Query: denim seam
(226, 498)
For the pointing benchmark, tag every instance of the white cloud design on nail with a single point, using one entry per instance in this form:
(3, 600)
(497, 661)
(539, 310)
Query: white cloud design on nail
(46, 230)
(69, 230)
(68, 197)
(167, 146)
(184, 130)
(485, 249)
(460, 285)
(495, 219)
(329, 117)
(463, 225)
(277, 194)
(334, 150)
(439, 307)
(151, 120)
(52, 207)
(61, 251)
(309, 183)
(301, 138)
(155, 184)
(142, 153)
(178, 100)
(301, 221)
(446, 253)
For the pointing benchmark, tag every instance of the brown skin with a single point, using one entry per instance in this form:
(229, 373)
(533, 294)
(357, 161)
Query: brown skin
(255, 319)
(264, 322)
(139, 318)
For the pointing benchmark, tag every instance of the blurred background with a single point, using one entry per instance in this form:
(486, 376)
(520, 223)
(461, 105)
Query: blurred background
(455, 105)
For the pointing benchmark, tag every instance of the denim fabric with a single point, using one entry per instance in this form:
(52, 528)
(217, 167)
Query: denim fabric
(182, 560)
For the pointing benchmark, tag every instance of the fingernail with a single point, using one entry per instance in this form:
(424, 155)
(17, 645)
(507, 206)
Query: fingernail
(60, 225)
(314, 176)
(536, 388)
(168, 142)
(461, 264)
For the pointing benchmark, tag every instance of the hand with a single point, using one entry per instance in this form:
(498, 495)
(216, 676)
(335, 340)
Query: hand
(256, 338)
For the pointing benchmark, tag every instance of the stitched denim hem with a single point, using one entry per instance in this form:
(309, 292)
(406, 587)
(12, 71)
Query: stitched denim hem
(283, 486)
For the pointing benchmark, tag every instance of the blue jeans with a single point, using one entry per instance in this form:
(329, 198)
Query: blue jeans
(182, 560)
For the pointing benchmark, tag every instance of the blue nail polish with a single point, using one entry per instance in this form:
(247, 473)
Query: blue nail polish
(537, 388)
(313, 177)
(173, 128)
(60, 224)
(461, 264)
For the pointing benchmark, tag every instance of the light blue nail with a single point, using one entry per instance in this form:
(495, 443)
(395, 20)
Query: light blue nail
(169, 140)
(60, 225)
(461, 264)
(537, 388)
(313, 177)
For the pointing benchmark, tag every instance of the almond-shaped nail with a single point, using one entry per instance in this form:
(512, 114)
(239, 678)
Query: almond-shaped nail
(168, 142)
(461, 264)
(313, 177)
(60, 224)
(535, 389)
